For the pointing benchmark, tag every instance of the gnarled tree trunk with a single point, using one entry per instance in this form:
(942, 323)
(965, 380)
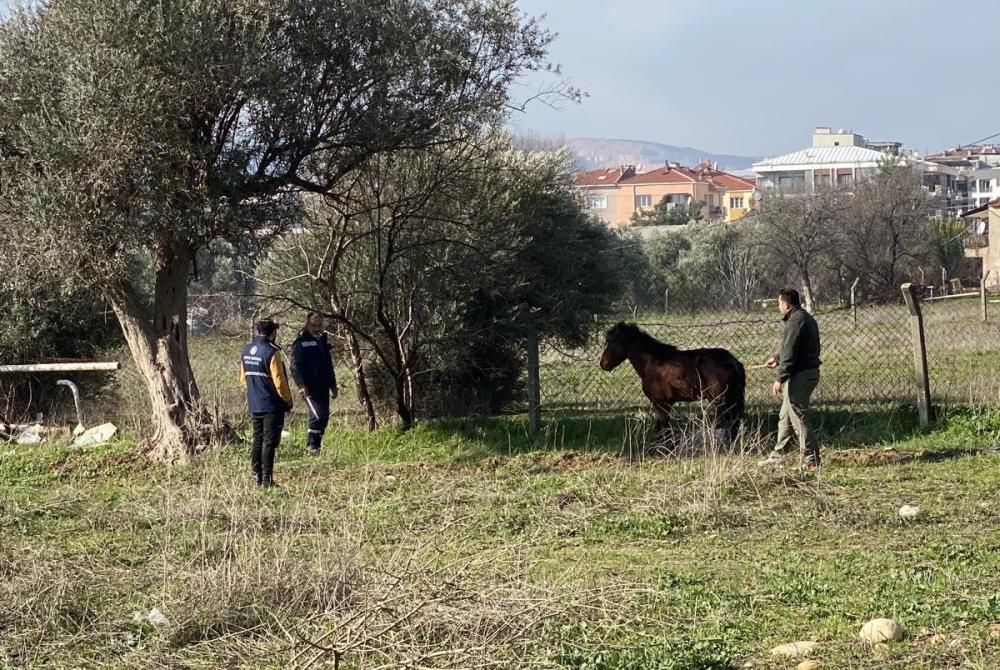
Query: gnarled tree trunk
(157, 340)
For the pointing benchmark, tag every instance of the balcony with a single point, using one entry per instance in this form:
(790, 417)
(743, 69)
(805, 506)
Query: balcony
(976, 240)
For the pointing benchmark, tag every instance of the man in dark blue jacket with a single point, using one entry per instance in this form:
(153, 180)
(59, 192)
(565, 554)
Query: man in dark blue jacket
(269, 397)
(312, 369)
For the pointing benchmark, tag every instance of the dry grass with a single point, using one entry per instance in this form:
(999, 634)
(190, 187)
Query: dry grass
(252, 579)
(471, 545)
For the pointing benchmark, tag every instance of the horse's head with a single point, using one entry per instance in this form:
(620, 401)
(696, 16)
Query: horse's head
(616, 345)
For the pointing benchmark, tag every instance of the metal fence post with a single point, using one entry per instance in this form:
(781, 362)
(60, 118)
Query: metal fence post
(919, 354)
(982, 295)
(854, 299)
(534, 385)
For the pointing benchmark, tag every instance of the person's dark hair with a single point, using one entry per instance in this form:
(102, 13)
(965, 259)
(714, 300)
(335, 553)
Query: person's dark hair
(266, 327)
(310, 315)
(791, 296)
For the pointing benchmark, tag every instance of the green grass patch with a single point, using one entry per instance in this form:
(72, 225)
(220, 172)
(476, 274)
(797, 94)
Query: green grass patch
(563, 549)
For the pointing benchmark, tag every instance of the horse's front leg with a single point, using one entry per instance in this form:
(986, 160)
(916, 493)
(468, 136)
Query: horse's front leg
(662, 410)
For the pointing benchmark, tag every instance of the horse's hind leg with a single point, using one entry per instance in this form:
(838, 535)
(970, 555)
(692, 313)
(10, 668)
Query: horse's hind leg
(721, 421)
(662, 425)
(731, 418)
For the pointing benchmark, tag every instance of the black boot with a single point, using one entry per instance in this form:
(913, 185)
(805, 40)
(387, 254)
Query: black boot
(267, 481)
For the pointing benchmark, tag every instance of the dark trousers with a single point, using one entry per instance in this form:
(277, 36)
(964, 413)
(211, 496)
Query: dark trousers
(320, 401)
(267, 427)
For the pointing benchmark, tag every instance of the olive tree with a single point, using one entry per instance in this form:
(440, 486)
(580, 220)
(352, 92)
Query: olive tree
(133, 129)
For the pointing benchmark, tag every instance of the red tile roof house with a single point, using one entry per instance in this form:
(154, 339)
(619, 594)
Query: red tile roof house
(616, 194)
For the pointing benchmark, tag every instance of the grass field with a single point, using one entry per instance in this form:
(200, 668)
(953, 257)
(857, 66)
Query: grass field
(471, 545)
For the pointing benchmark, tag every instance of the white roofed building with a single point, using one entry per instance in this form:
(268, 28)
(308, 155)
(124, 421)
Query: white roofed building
(818, 168)
(839, 160)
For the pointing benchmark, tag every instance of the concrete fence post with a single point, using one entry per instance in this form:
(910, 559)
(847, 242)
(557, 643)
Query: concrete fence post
(854, 299)
(919, 342)
(983, 296)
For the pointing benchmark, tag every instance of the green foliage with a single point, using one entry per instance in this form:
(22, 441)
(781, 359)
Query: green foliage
(948, 236)
(694, 654)
(53, 321)
(666, 213)
(135, 136)
(713, 266)
(444, 262)
(979, 425)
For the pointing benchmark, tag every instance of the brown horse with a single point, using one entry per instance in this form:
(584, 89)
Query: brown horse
(672, 375)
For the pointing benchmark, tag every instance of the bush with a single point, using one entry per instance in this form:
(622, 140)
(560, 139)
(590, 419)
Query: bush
(49, 322)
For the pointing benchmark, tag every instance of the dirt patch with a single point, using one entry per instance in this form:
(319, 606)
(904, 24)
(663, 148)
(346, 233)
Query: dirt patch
(887, 456)
(564, 500)
(571, 461)
(76, 462)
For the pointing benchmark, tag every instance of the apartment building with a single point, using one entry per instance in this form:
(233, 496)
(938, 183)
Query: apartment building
(841, 159)
(978, 170)
(979, 243)
(616, 194)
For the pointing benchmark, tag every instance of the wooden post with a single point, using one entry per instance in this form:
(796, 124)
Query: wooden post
(982, 296)
(534, 385)
(854, 299)
(919, 355)
(666, 300)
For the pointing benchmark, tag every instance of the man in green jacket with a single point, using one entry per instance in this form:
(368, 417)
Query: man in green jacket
(798, 374)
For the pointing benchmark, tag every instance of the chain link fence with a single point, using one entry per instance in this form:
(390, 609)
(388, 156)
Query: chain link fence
(868, 359)
(963, 349)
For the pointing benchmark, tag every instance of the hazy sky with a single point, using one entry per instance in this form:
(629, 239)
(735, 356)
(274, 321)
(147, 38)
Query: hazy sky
(755, 76)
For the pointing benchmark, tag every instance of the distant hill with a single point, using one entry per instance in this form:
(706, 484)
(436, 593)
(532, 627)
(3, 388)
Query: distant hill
(593, 153)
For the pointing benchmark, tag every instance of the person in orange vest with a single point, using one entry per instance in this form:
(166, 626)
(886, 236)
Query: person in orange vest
(269, 398)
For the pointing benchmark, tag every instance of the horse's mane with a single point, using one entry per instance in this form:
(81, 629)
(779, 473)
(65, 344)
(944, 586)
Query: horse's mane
(647, 341)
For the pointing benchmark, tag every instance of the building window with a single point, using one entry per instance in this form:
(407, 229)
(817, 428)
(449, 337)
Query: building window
(597, 202)
(643, 201)
(845, 179)
(984, 185)
(794, 181)
(736, 203)
(983, 201)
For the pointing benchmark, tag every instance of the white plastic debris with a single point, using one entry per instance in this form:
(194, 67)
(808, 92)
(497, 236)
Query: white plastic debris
(155, 617)
(285, 434)
(79, 430)
(96, 435)
(30, 435)
(909, 512)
